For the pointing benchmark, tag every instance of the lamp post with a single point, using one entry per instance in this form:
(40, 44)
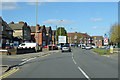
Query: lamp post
(36, 25)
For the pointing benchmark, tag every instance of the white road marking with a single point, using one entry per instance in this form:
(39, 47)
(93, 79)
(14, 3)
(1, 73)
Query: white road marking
(84, 73)
(27, 60)
(74, 61)
(81, 69)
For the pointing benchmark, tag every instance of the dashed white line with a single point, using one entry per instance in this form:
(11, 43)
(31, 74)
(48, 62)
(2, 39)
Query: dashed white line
(74, 61)
(81, 69)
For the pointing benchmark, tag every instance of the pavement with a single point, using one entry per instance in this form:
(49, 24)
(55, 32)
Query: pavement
(80, 63)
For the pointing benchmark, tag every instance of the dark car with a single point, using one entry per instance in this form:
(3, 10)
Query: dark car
(8, 46)
(66, 48)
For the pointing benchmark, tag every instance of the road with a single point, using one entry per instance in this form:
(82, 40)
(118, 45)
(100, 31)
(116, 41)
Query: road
(83, 64)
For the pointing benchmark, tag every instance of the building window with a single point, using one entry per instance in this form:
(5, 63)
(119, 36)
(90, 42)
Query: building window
(50, 35)
(43, 34)
(10, 32)
(43, 43)
(75, 37)
(2, 27)
(7, 41)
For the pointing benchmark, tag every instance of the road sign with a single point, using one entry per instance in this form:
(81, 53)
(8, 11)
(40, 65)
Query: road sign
(105, 41)
(62, 39)
(105, 36)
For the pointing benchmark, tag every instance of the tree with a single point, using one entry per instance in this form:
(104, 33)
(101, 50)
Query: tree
(61, 32)
(115, 33)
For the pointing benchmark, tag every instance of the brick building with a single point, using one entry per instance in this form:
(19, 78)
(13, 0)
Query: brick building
(54, 36)
(41, 35)
(6, 34)
(79, 38)
(49, 35)
(22, 31)
(99, 40)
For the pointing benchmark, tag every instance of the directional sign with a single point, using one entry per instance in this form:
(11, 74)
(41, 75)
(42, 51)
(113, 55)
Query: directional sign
(105, 36)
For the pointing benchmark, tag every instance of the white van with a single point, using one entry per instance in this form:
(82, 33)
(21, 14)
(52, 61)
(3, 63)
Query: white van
(27, 45)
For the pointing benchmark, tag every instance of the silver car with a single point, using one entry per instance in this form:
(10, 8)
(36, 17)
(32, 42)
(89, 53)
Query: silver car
(66, 48)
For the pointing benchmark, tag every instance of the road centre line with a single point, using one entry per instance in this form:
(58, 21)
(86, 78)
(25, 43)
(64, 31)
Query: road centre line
(74, 61)
(84, 73)
(81, 69)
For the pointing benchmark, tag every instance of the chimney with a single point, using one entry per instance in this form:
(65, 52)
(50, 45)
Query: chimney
(86, 33)
(21, 22)
(38, 27)
(12, 22)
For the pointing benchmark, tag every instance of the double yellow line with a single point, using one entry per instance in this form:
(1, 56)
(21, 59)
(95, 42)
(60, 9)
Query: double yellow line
(9, 73)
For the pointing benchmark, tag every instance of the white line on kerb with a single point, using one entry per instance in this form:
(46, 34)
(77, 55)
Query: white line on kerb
(84, 73)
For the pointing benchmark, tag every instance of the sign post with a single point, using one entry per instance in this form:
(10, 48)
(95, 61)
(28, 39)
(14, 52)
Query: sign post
(105, 40)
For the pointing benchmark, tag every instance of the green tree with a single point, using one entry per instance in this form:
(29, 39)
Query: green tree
(115, 34)
(61, 32)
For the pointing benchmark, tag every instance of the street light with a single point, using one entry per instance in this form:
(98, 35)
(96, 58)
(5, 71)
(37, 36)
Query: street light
(60, 26)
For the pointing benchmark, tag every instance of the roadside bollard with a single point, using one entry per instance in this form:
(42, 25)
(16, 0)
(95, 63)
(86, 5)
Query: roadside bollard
(111, 49)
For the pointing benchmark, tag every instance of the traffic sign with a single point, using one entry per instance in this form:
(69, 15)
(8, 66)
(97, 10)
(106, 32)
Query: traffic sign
(105, 36)
(105, 40)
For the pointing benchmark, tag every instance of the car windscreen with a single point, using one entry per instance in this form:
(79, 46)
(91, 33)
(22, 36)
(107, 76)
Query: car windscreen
(22, 44)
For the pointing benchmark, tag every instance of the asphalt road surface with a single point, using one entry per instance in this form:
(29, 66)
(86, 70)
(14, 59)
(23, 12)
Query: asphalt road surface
(79, 63)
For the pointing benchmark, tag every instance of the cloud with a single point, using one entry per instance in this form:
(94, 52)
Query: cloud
(95, 27)
(9, 5)
(59, 22)
(96, 19)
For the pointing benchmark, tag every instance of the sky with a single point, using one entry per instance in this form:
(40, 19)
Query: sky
(94, 18)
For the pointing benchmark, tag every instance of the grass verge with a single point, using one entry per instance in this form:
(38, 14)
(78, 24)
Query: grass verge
(101, 52)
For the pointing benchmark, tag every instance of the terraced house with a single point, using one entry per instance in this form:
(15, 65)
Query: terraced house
(40, 36)
(22, 32)
(6, 34)
(49, 35)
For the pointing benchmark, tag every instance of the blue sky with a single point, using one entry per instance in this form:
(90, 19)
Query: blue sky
(95, 18)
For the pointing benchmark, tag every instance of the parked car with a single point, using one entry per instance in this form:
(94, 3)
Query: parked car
(59, 46)
(93, 46)
(88, 47)
(103, 46)
(8, 46)
(45, 47)
(66, 48)
(83, 46)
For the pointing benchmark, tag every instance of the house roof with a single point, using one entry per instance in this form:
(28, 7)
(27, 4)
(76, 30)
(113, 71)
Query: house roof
(33, 29)
(53, 32)
(83, 34)
(47, 29)
(17, 26)
(98, 37)
(5, 24)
